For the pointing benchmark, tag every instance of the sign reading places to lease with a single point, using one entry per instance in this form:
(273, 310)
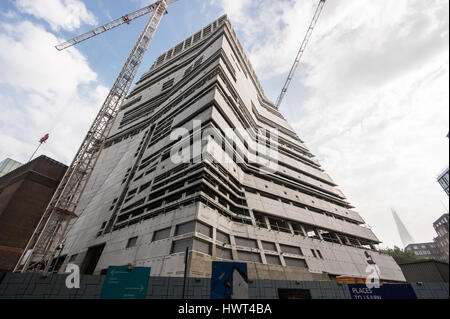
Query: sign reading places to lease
(124, 283)
(386, 291)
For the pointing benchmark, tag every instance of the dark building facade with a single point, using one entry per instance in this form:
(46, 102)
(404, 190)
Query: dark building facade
(428, 251)
(425, 271)
(441, 228)
(24, 195)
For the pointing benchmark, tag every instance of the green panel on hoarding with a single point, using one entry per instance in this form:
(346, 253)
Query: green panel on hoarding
(124, 283)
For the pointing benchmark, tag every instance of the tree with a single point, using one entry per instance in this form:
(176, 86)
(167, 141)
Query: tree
(402, 256)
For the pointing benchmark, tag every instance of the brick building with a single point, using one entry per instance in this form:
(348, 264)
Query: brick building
(24, 195)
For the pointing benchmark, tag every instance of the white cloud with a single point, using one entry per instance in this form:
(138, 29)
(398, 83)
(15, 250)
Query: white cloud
(370, 97)
(43, 90)
(59, 14)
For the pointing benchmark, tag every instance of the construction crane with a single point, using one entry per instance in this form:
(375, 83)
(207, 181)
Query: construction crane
(300, 53)
(48, 236)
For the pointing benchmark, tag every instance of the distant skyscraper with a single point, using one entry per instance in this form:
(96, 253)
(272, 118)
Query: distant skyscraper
(403, 232)
(8, 165)
(443, 180)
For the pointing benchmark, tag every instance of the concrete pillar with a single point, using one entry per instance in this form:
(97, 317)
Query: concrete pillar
(318, 234)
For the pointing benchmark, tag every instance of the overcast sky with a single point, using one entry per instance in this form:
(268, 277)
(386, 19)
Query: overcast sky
(370, 97)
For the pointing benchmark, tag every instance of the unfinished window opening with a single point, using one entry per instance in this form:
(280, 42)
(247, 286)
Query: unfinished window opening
(179, 246)
(202, 246)
(197, 36)
(293, 262)
(329, 236)
(222, 237)
(246, 242)
(185, 228)
(132, 242)
(297, 229)
(203, 229)
(310, 232)
(223, 253)
(161, 234)
(291, 250)
(248, 256)
(267, 245)
(273, 260)
(91, 259)
(279, 225)
(260, 221)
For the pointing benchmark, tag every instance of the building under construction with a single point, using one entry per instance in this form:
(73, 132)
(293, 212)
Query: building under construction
(142, 207)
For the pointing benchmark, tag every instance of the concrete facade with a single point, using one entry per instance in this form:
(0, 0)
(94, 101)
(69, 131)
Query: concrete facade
(140, 207)
(33, 286)
(24, 196)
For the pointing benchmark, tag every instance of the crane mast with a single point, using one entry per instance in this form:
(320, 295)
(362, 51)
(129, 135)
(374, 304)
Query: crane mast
(300, 52)
(41, 249)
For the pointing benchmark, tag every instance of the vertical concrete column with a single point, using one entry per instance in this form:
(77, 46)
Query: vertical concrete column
(303, 231)
(233, 248)
(252, 216)
(261, 249)
(339, 239)
(318, 234)
(291, 228)
(213, 248)
(266, 219)
(283, 263)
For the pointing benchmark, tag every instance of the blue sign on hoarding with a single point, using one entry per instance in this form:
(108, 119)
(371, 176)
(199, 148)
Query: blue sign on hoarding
(229, 280)
(386, 291)
(126, 283)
